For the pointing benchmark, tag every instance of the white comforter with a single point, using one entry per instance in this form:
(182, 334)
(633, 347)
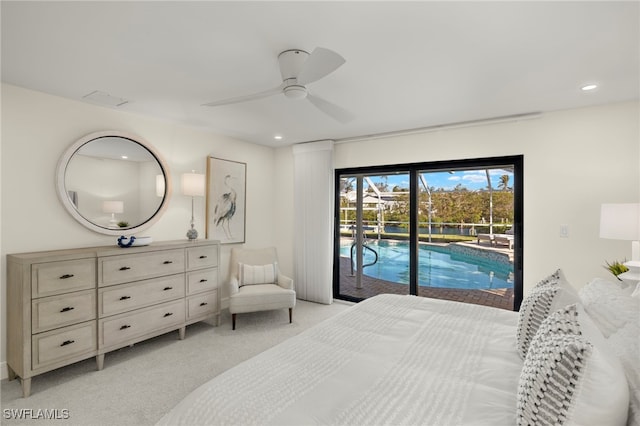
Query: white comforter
(396, 360)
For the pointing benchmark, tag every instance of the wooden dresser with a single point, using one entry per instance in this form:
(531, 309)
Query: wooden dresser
(64, 306)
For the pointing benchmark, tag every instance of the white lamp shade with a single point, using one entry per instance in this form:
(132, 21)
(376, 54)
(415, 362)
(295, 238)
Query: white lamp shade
(113, 206)
(193, 184)
(620, 221)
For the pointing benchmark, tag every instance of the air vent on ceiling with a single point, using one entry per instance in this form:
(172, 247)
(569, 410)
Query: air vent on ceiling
(103, 98)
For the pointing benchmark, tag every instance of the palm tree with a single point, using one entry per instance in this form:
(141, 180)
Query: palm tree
(504, 182)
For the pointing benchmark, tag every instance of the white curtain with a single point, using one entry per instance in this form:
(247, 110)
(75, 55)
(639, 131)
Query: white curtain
(313, 224)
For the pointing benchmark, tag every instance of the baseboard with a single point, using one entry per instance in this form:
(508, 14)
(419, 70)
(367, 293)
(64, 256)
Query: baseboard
(4, 371)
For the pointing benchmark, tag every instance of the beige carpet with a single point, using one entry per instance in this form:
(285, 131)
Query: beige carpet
(140, 383)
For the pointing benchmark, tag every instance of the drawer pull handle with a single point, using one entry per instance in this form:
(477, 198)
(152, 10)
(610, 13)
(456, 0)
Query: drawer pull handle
(125, 297)
(167, 262)
(168, 314)
(67, 309)
(124, 327)
(65, 276)
(67, 342)
(203, 257)
(204, 280)
(167, 288)
(125, 268)
(204, 304)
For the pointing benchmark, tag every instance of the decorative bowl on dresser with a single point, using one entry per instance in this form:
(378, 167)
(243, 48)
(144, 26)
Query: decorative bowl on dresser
(69, 305)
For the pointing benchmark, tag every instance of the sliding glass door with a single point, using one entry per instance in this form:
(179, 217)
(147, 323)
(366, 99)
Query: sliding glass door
(446, 230)
(369, 209)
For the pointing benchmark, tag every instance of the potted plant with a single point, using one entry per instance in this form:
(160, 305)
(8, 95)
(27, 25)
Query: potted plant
(616, 268)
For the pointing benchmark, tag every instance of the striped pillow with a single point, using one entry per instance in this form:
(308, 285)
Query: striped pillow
(257, 274)
(570, 376)
(550, 379)
(554, 278)
(539, 303)
(534, 309)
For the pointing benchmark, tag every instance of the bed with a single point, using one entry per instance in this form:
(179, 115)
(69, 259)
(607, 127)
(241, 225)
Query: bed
(407, 360)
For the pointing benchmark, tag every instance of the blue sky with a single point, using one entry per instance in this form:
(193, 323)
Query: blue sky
(470, 179)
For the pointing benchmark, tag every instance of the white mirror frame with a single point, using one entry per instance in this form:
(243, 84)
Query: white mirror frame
(68, 204)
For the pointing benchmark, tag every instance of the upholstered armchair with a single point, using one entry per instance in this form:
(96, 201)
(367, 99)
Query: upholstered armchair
(256, 283)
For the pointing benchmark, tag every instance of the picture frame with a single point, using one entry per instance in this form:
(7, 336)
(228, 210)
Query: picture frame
(226, 200)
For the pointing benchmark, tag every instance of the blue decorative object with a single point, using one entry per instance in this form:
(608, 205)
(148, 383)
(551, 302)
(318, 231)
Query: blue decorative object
(122, 243)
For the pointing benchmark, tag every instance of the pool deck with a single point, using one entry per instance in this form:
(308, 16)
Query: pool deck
(497, 298)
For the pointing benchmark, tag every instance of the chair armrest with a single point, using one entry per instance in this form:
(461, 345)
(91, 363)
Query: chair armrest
(285, 282)
(234, 286)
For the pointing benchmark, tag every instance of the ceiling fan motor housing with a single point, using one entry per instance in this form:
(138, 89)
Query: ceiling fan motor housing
(295, 91)
(291, 62)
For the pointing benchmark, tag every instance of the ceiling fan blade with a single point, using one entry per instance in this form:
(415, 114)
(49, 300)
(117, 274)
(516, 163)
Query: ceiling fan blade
(332, 110)
(320, 63)
(259, 95)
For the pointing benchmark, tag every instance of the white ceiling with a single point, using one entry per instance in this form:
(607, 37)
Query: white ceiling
(408, 64)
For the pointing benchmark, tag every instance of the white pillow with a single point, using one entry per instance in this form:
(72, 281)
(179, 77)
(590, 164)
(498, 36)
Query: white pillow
(609, 305)
(570, 377)
(636, 291)
(625, 342)
(538, 304)
(257, 274)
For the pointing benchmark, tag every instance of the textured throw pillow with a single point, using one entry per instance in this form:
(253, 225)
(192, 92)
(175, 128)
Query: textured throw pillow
(550, 377)
(610, 305)
(538, 304)
(626, 345)
(636, 292)
(257, 274)
(554, 278)
(570, 376)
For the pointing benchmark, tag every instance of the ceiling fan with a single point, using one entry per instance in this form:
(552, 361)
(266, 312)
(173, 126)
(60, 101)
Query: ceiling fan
(299, 68)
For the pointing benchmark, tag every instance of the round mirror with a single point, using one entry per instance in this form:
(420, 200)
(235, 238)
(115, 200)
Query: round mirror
(113, 183)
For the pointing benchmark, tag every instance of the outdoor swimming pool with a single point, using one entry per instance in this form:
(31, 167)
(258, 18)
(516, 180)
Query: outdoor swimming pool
(438, 266)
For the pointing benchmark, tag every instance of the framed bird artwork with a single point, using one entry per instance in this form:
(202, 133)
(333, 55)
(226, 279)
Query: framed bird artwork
(226, 200)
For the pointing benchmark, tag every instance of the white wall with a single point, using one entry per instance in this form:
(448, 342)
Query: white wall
(574, 161)
(38, 128)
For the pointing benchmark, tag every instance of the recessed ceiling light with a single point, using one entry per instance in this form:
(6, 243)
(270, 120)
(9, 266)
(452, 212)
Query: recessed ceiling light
(277, 137)
(124, 157)
(588, 87)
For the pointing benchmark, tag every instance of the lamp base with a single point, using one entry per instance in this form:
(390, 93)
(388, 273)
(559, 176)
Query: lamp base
(192, 234)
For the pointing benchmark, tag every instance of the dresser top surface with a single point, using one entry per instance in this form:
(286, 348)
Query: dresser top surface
(107, 250)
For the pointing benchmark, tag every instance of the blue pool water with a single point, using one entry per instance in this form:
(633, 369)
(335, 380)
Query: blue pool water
(437, 266)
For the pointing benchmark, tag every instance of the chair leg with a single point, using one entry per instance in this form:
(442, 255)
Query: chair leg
(233, 321)
(290, 315)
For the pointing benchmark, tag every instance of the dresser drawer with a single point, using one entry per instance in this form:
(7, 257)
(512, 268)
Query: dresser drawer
(203, 304)
(125, 268)
(118, 330)
(48, 279)
(126, 297)
(66, 343)
(202, 257)
(57, 311)
(199, 281)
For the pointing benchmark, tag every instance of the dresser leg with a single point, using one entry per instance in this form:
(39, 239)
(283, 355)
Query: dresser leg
(100, 361)
(26, 387)
(181, 332)
(12, 374)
